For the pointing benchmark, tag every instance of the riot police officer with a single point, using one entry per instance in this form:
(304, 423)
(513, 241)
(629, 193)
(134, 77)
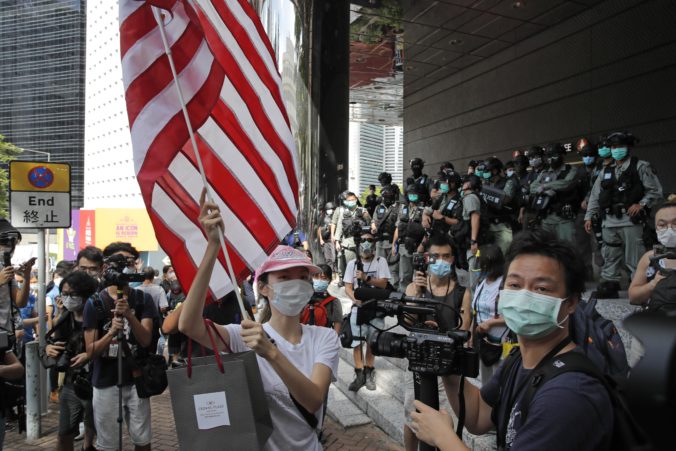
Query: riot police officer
(383, 226)
(535, 157)
(409, 232)
(385, 179)
(500, 193)
(471, 166)
(422, 180)
(371, 200)
(557, 194)
(343, 222)
(324, 236)
(590, 169)
(622, 195)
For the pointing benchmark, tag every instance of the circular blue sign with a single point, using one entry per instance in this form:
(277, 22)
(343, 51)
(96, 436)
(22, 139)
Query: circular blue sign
(40, 177)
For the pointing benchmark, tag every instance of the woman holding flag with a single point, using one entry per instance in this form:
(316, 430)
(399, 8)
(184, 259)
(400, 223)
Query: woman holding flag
(297, 362)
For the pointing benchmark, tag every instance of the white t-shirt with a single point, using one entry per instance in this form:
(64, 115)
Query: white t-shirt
(376, 268)
(484, 304)
(317, 345)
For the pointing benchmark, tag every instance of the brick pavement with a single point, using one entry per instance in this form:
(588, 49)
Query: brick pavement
(367, 437)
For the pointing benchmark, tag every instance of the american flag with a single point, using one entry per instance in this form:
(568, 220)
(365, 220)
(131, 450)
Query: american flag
(231, 86)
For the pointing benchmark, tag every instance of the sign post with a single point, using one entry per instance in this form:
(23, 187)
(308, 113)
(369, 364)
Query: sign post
(39, 197)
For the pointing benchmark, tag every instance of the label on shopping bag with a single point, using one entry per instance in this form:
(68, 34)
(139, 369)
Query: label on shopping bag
(211, 410)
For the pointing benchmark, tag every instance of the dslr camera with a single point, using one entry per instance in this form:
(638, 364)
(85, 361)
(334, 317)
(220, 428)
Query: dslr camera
(429, 350)
(115, 274)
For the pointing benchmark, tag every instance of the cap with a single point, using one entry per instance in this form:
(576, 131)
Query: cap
(284, 257)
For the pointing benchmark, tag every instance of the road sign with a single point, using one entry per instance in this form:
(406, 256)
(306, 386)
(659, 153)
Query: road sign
(39, 194)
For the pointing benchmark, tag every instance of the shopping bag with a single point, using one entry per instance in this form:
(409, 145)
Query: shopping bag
(220, 400)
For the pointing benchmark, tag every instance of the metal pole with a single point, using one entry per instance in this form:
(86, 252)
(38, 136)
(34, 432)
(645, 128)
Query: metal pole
(33, 423)
(42, 322)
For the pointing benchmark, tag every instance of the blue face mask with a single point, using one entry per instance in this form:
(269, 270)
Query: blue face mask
(487, 175)
(509, 172)
(350, 203)
(440, 268)
(529, 314)
(619, 153)
(443, 187)
(588, 161)
(479, 173)
(604, 152)
(320, 285)
(413, 198)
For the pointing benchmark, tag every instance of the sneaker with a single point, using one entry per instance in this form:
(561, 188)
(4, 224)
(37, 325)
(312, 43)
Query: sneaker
(370, 378)
(359, 380)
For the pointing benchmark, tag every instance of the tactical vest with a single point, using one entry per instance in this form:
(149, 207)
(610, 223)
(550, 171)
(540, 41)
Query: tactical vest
(619, 193)
(423, 186)
(503, 214)
(450, 208)
(408, 214)
(326, 227)
(386, 221)
(570, 197)
(350, 218)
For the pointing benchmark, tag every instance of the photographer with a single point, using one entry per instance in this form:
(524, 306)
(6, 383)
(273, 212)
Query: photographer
(133, 315)
(366, 270)
(543, 284)
(66, 345)
(436, 280)
(653, 282)
(297, 362)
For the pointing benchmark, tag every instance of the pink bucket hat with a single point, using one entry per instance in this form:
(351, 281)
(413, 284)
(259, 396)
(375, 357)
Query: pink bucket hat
(284, 257)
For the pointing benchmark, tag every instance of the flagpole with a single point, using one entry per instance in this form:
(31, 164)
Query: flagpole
(167, 50)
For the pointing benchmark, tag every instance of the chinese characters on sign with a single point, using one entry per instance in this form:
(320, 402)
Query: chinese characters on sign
(39, 194)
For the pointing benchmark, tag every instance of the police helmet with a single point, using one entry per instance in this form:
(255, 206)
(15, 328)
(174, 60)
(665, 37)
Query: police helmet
(473, 163)
(417, 162)
(385, 178)
(474, 182)
(414, 188)
(510, 164)
(329, 206)
(521, 160)
(534, 151)
(585, 147)
(446, 166)
(493, 163)
(554, 150)
(621, 139)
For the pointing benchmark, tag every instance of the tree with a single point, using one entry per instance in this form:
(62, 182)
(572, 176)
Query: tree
(8, 152)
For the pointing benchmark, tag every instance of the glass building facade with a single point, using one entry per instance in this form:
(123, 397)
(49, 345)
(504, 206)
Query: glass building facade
(42, 81)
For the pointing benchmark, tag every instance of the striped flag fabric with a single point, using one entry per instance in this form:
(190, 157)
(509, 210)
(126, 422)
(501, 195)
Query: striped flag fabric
(231, 86)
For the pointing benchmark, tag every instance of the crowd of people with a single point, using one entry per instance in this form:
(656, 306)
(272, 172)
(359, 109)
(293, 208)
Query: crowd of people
(497, 247)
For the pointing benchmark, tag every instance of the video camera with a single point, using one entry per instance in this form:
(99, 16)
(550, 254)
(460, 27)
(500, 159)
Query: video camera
(429, 350)
(661, 252)
(115, 274)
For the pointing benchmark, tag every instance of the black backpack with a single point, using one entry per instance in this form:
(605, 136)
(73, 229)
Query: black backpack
(627, 434)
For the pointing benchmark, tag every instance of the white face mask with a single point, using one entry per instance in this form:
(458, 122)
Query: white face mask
(667, 237)
(72, 303)
(290, 296)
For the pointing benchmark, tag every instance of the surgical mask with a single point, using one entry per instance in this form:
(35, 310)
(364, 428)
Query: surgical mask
(667, 237)
(443, 187)
(413, 198)
(34, 287)
(619, 153)
(329, 212)
(366, 248)
(509, 172)
(535, 162)
(440, 268)
(72, 303)
(529, 314)
(604, 152)
(290, 296)
(487, 175)
(320, 285)
(588, 161)
(350, 204)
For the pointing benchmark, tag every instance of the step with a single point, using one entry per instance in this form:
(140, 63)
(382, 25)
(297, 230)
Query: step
(344, 411)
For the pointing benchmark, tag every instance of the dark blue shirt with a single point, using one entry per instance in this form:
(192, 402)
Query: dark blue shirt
(572, 411)
(26, 313)
(294, 241)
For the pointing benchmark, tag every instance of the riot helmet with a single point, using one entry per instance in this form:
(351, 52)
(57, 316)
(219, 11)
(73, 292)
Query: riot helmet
(520, 163)
(554, 153)
(587, 151)
(385, 178)
(493, 165)
(417, 165)
(535, 156)
(388, 195)
(620, 142)
(414, 192)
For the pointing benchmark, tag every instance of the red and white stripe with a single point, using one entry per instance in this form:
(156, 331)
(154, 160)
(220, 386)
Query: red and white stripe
(227, 73)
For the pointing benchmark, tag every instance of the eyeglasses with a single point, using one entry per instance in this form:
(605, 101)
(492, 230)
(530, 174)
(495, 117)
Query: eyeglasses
(661, 227)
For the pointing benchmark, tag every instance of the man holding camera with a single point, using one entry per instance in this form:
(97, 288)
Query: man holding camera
(372, 271)
(543, 285)
(66, 351)
(119, 322)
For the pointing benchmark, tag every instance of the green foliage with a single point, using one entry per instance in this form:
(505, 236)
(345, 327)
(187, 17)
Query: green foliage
(375, 23)
(8, 152)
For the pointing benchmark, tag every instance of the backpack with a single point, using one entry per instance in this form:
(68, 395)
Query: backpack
(589, 327)
(316, 313)
(627, 434)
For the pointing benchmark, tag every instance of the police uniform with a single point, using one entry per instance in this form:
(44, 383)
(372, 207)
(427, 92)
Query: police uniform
(328, 249)
(616, 188)
(385, 222)
(452, 207)
(525, 182)
(344, 219)
(500, 218)
(559, 214)
(424, 184)
(586, 243)
(409, 213)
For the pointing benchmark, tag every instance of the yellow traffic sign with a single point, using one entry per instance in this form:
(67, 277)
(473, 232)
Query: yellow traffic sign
(39, 176)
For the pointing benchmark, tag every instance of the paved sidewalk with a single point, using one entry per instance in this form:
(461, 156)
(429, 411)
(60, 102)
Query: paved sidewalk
(367, 437)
